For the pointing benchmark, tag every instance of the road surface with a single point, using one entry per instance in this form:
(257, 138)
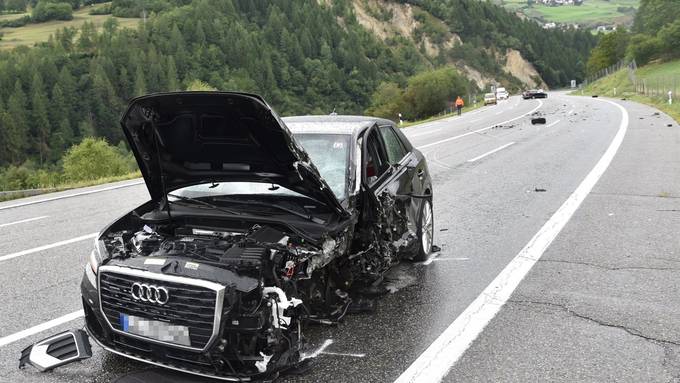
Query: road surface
(559, 262)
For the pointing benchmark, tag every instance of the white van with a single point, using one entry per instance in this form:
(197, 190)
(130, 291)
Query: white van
(502, 94)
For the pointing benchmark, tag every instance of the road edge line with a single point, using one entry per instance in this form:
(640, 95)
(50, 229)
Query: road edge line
(436, 361)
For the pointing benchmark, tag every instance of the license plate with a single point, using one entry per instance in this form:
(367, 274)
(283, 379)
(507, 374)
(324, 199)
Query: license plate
(154, 329)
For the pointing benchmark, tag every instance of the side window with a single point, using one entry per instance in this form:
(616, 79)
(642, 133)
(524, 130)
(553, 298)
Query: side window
(376, 162)
(393, 146)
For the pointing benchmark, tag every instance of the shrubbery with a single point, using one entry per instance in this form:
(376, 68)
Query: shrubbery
(46, 10)
(91, 159)
(426, 94)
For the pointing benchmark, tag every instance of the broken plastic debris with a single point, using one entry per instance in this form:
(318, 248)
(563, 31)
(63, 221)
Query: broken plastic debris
(539, 120)
(539, 190)
(261, 365)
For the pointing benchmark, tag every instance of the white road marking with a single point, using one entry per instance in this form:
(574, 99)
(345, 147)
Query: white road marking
(451, 259)
(490, 152)
(70, 195)
(23, 221)
(570, 112)
(344, 354)
(318, 351)
(425, 133)
(46, 247)
(434, 363)
(553, 124)
(475, 120)
(40, 328)
(540, 104)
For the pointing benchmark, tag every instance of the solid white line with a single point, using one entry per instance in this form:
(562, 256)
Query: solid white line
(553, 124)
(40, 328)
(46, 247)
(71, 195)
(434, 363)
(490, 152)
(425, 133)
(540, 104)
(23, 221)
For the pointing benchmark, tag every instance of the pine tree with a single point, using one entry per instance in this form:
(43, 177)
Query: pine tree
(140, 82)
(40, 117)
(17, 111)
(171, 76)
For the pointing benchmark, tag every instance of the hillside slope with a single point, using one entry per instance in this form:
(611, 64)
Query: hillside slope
(303, 56)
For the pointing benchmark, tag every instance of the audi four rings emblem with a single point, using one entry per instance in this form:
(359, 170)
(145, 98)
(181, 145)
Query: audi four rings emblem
(149, 293)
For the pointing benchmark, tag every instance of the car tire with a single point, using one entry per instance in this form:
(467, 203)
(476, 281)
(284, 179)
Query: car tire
(425, 232)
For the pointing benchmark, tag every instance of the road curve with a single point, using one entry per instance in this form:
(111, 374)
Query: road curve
(497, 179)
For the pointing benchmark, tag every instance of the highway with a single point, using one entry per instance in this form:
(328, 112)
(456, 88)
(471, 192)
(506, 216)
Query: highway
(559, 262)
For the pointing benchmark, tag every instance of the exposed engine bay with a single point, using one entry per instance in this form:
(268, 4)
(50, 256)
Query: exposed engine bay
(274, 281)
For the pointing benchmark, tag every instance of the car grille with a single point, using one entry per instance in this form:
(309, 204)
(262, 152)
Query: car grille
(189, 305)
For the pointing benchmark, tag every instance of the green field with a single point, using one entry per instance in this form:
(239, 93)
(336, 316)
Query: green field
(665, 76)
(35, 33)
(592, 13)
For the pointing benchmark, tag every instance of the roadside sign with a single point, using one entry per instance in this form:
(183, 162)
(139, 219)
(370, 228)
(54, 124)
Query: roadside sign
(573, 84)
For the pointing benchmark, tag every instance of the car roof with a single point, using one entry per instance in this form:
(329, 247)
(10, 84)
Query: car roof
(332, 124)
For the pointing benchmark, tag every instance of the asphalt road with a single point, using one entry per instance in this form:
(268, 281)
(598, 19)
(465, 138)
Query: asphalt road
(601, 303)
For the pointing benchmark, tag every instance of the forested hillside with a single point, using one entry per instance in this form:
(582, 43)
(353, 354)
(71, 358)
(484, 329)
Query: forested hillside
(655, 36)
(303, 56)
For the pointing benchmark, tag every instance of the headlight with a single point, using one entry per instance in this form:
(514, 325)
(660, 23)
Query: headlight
(95, 258)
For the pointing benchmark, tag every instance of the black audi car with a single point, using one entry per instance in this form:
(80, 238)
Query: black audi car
(534, 93)
(257, 226)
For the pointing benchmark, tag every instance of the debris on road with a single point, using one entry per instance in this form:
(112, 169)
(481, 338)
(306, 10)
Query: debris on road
(669, 125)
(595, 96)
(540, 120)
(539, 190)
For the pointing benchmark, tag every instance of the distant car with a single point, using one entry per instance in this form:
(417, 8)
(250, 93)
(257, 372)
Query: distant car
(502, 94)
(490, 98)
(534, 93)
(257, 226)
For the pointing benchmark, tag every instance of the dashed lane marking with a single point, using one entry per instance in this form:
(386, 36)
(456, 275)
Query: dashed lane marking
(23, 221)
(47, 247)
(40, 328)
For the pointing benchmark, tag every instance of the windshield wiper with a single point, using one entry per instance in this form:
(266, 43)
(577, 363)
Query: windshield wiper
(198, 201)
(308, 217)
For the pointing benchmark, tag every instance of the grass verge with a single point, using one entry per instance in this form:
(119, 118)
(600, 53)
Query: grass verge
(74, 185)
(618, 85)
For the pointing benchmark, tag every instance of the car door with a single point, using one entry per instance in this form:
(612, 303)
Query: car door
(386, 176)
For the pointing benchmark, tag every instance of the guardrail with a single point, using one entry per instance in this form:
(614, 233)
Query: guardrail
(25, 193)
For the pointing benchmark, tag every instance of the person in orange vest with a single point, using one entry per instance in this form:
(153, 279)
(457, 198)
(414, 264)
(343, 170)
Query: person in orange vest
(459, 105)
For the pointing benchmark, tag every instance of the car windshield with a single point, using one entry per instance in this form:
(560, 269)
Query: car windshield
(330, 154)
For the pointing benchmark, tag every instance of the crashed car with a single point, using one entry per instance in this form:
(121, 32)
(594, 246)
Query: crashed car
(534, 93)
(257, 226)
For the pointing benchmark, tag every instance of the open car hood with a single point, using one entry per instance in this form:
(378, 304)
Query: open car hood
(186, 138)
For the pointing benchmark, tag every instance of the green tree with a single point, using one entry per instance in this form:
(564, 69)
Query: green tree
(387, 101)
(92, 159)
(17, 107)
(140, 82)
(171, 76)
(40, 117)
